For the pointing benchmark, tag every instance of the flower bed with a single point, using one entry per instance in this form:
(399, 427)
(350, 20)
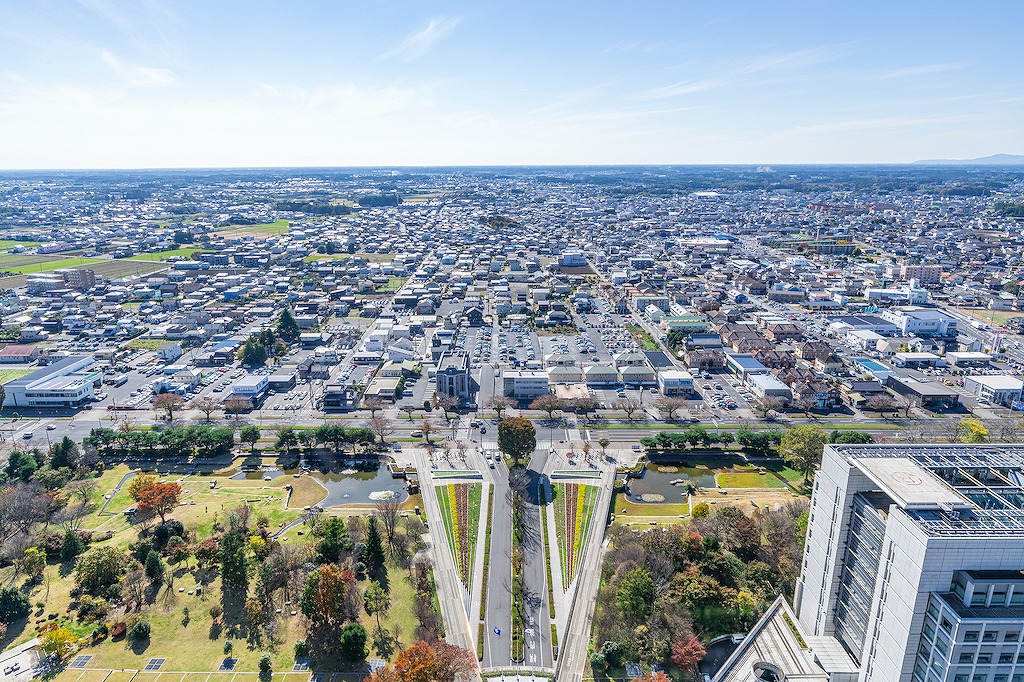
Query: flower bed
(574, 508)
(460, 510)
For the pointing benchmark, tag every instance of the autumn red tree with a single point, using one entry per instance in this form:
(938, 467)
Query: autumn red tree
(422, 662)
(158, 498)
(323, 599)
(688, 652)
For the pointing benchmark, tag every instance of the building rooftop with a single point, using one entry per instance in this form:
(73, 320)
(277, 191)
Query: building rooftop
(961, 490)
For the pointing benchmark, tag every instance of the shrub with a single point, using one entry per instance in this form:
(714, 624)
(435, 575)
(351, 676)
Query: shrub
(265, 664)
(352, 642)
(139, 631)
(154, 567)
(301, 648)
(165, 531)
(71, 546)
(13, 604)
(216, 611)
(701, 510)
(229, 646)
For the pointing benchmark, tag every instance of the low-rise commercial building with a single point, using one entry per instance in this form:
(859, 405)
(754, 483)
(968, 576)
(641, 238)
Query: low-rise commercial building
(525, 384)
(1000, 389)
(66, 383)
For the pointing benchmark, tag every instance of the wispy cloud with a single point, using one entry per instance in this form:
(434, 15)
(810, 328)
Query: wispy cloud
(142, 76)
(420, 41)
(913, 71)
(796, 59)
(683, 88)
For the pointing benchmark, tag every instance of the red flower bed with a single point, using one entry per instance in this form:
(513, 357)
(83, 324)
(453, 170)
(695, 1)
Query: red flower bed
(571, 497)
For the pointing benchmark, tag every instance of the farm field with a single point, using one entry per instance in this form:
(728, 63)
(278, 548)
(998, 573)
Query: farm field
(164, 255)
(263, 229)
(44, 263)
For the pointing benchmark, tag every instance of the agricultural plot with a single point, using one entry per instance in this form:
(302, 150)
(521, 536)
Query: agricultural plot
(574, 511)
(460, 510)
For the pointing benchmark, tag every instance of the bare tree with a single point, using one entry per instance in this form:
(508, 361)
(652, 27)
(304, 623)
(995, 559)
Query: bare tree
(499, 404)
(207, 405)
(628, 405)
(237, 406)
(169, 403)
(408, 409)
(427, 427)
(547, 403)
(669, 405)
(881, 403)
(953, 430)
(381, 427)
(806, 403)
(70, 516)
(82, 489)
(446, 402)
(906, 406)
(133, 589)
(584, 405)
(374, 405)
(388, 512)
(766, 405)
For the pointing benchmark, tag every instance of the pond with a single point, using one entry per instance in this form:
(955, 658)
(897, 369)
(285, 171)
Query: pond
(360, 487)
(348, 486)
(656, 486)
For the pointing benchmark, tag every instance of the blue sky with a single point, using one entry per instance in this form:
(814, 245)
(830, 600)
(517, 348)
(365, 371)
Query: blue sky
(160, 83)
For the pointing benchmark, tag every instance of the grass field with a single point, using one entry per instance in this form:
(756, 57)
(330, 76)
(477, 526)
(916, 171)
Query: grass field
(164, 255)
(11, 243)
(748, 479)
(265, 229)
(996, 317)
(393, 285)
(145, 344)
(12, 374)
(49, 265)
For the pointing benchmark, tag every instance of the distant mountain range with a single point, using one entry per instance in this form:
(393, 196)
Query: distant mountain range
(994, 160)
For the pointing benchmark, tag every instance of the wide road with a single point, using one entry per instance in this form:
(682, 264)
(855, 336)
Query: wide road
(537, 627)
(498, 613)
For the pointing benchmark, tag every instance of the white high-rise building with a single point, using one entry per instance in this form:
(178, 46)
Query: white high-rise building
(913, 571)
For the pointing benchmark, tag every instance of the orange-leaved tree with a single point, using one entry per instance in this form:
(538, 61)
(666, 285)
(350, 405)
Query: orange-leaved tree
(158, 498)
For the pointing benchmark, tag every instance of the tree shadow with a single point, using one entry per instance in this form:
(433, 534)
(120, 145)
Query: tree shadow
(384, 643)
(138, 646)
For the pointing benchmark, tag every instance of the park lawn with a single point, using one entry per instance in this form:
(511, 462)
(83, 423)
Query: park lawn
(625, 508)
(48, 266)
(748, 479)
(164, 255)
(306, 492)
(780, 469)
(12, 374)
(402, 613)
